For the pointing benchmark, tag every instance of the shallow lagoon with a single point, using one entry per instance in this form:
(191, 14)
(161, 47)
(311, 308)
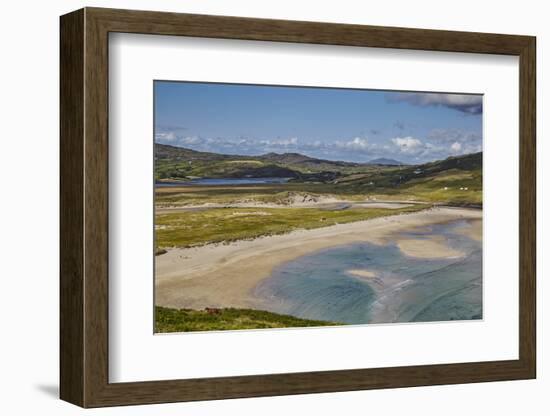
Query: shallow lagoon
(398, 288)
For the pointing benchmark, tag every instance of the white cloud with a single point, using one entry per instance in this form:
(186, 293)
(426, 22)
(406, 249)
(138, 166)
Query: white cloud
(356, 143)
(293, 141)
(456, 147)
(438, 144)
(166, 137)
(407, 144)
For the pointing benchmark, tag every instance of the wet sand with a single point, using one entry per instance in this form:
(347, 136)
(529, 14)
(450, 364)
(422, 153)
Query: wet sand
(473, 230)
(431, 248)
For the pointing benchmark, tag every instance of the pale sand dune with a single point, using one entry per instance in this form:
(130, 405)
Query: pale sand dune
(292, 201)
(321, 202)
(224, 275)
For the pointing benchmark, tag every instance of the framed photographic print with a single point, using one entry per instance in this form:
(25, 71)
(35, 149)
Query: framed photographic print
(255, 207)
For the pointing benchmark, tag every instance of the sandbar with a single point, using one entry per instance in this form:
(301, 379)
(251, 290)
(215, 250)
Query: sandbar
(428, 248)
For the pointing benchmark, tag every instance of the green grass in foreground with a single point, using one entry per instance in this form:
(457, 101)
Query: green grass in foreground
(186, 320)
(192, 228)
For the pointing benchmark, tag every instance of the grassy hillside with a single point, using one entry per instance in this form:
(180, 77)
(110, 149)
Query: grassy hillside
(180, 163)
(185, 320)
(455, 180)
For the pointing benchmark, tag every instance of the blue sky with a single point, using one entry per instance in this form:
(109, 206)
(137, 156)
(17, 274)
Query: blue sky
(328, 123)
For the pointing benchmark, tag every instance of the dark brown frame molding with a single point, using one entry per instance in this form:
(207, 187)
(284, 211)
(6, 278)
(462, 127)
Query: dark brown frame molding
(84, 209)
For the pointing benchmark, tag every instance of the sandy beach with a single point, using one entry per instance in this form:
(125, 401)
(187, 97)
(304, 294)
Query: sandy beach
(224, 275)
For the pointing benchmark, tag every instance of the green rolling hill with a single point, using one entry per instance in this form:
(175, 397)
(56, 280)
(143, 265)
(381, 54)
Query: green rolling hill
(181, 163)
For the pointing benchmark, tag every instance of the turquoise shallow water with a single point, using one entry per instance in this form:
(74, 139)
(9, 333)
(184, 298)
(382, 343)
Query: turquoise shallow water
(405, 289)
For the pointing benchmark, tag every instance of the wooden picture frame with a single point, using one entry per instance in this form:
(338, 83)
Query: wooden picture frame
(84, 207)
